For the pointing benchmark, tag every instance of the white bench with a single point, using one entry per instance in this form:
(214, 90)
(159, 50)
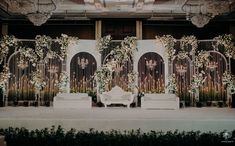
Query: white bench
(72, 100)
(117, 96)
(160, 101)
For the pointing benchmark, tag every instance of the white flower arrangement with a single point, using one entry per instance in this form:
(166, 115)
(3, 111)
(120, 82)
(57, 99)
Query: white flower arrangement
(226, 41)
(103, 43)
(51, 54)
(4, 76)
(129, 45)
(63, 82)
(197, 81)
(111, 64)
(38, 81)
(120, 55)
(103, 76)
(201, 59)
(189, 44)
(182, 55)
(5, 43)
(228, 81)
(132, 78)
(42, 42)
(171, 85)
(28, 54)
(64, 42)
(125, 52)
(168, 42)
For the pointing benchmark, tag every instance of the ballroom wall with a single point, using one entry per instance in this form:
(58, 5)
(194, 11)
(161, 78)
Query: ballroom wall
(80, 29)
(118, 28)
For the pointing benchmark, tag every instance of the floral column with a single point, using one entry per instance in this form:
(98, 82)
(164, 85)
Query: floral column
(228, 81)
(197, 81)
(65, 41)
(38, 82)
(172, 86)
(4, 76)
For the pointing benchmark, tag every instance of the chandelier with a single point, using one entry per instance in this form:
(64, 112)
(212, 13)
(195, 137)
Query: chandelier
(118, 68)
(181, 69)
(202, 11)
(22, 64)
(83, 62)
(212, 65)
(37, 11)
(53, 69)
(151, 64)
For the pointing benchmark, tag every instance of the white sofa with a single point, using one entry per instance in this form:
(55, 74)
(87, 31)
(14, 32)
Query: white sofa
(117, 96)
(160, 101)
(72, 100)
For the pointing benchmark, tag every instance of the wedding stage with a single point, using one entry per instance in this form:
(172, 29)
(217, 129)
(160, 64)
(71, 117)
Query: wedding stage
(119, 118)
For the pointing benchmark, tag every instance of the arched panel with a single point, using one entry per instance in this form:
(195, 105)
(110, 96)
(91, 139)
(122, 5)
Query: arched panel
(213, 88)
(146, 46)
(151, 73)
(19, 88)
(82, 68)
(182, 69)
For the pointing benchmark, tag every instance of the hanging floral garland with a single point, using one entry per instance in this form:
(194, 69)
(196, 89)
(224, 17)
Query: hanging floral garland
(120, 54)
(37, 81)
(103, 76)
(64, 42)
(172, 85)
(228, 81)
(226, 41)
(201, 58)
(4, 76)
(111, 64)
(63, 82)
(103, 43)
(43, 44)
(188, 44)
(5, 43)
(28, 54)
(132, 78)
(168, 42)
(125, 52)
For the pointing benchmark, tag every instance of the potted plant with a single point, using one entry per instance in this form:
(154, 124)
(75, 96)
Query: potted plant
(15, 101)
(47, 103)
(140, 94)
(35, 103)
(187, 103)
(26, 103)
(198, 104)
(220, 103)
(208, 103)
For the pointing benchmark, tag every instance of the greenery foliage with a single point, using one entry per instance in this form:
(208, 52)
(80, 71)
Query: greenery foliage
(58, 137)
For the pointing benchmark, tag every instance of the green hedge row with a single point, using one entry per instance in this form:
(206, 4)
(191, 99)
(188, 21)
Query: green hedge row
(58, 137)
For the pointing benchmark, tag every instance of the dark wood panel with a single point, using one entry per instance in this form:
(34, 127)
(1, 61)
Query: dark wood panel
(82, 31)
(119, 29)
(178, 29)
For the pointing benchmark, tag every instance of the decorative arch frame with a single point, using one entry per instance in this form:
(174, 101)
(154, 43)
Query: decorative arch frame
(222, 55)
(190, 69)
(88, 46)
(146, 46)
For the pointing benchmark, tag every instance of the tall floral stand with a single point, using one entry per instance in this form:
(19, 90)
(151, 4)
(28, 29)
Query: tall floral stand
(3, 97)
(229, 97)
(196, 97)
(37, 97)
